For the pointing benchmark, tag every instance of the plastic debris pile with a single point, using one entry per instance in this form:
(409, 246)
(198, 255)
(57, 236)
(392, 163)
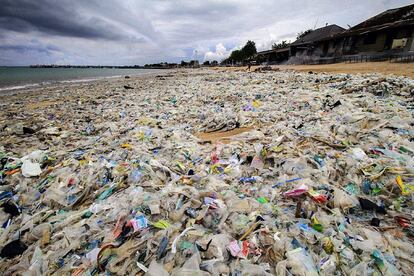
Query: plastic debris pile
(98, 178)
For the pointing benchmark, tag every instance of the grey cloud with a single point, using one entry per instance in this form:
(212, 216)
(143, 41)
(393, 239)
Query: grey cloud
(54, 18)
(200, 9)
(147, 31)
(29, 48)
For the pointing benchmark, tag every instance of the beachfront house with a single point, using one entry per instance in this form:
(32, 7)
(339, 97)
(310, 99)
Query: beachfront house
(387, 35)
(313, 44)
(319, 42)
(272, 56)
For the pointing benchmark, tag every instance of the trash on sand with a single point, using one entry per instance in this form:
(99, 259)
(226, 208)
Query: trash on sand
(210, 173)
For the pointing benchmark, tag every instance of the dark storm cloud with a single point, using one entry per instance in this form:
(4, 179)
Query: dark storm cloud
(117, 32)
(62, 18)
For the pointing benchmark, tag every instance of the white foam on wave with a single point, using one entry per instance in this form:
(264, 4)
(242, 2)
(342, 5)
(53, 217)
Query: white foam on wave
(31, 85)
(7, 88)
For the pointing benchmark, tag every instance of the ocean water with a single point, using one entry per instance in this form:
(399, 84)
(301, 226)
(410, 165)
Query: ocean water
(12, 78)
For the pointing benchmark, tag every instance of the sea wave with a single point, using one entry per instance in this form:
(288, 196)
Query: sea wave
(69, 81)
(31, 85)
(23, 86)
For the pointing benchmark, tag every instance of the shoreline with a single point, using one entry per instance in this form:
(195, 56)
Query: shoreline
(365, 68)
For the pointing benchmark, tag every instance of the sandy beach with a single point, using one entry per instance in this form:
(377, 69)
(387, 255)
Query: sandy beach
(159, 163)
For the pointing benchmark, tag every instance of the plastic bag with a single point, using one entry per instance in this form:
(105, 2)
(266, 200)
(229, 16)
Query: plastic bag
(343, 200)
(301, 263)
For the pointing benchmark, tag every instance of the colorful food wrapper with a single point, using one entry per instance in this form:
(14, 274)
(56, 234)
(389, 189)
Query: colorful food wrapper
(303, 189)
(239, 249)
(406, 189)
(320, 198)
(139, 223)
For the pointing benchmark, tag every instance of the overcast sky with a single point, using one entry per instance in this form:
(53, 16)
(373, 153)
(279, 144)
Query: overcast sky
(127, 32)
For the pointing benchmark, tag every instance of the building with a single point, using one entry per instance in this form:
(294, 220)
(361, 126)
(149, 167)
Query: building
(311, 44)
(389, 32)
(319, 42)
(387, 35)
(272, 56)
